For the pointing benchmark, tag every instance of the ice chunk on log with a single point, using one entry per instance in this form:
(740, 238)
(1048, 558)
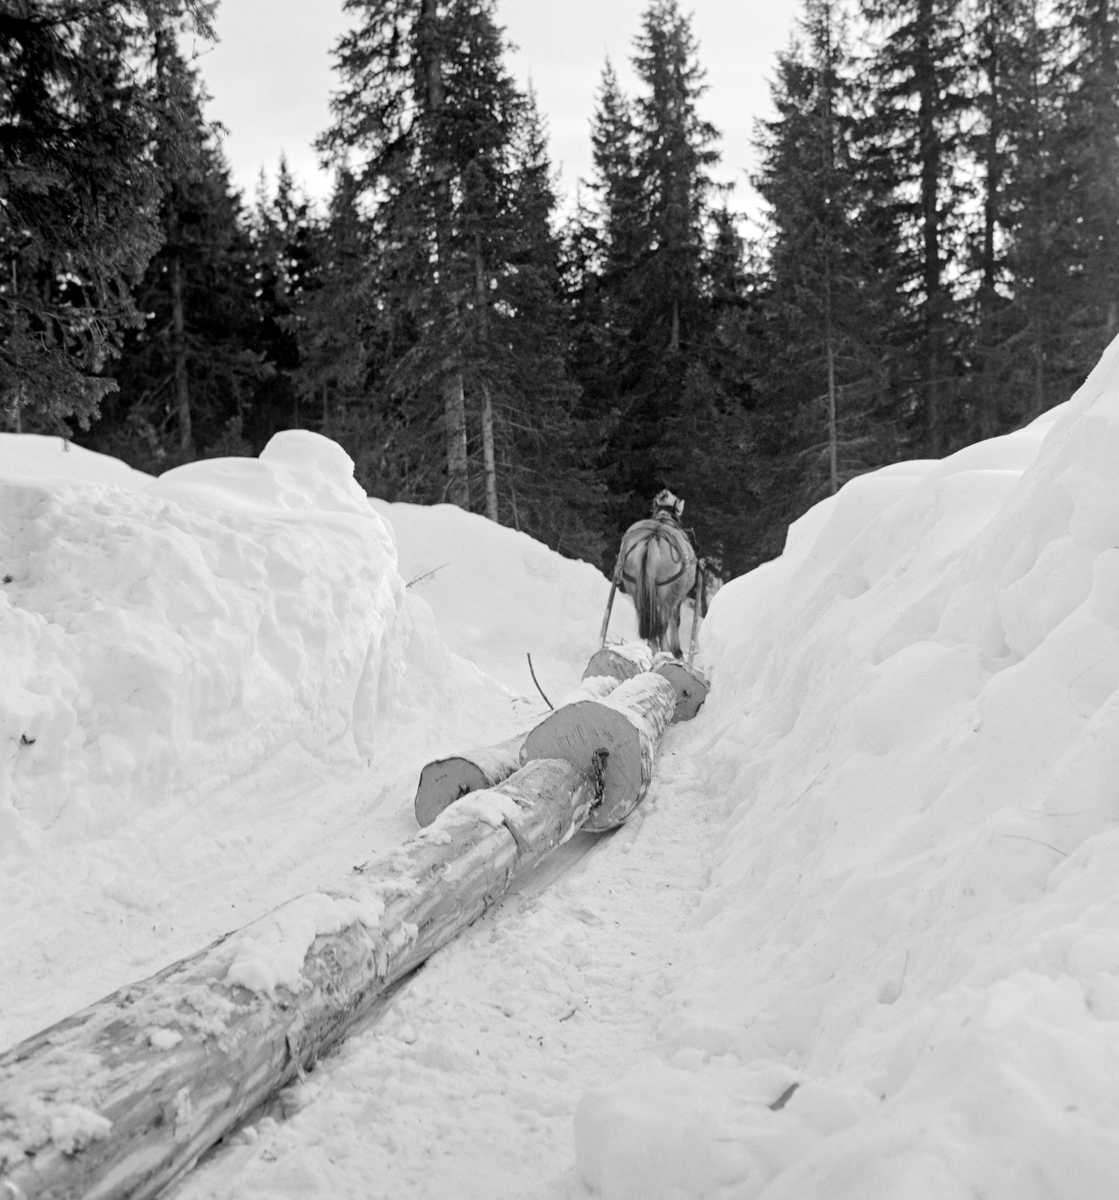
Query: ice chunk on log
(119, 1100)
(446, 780)
(627, 724)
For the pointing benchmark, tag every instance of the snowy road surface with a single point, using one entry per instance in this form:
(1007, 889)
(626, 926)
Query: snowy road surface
(880, 864)
(467, 1087)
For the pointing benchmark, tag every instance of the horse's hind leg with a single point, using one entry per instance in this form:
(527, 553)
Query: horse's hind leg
(673, 636)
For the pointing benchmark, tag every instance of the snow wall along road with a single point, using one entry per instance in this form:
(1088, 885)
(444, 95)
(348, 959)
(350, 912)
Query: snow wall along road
(914, 911)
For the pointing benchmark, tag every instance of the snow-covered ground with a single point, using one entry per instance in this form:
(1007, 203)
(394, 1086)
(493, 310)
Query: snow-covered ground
(879, 865)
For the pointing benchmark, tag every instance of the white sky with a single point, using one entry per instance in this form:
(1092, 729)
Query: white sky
(270, 76)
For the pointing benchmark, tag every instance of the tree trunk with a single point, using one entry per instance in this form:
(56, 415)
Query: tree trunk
(489, 463)
(827, 146)
(454, 411)
(988, 400)
(833, 430)
(179, 357)
(454, 398)
(121, 1099)
(1039, 379)
(627, 725)
(929, 157)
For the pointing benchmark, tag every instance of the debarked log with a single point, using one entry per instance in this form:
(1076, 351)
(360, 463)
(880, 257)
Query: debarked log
(120, 1099)
(445, 780)
(627, 725)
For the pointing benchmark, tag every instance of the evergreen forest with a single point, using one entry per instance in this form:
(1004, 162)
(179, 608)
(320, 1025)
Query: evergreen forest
(936, 260)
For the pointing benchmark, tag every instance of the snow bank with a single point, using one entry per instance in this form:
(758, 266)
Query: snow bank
(499, 595)
(33, 456)
(914, 732)
(158, 643)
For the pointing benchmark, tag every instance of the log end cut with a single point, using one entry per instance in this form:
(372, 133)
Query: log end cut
(626, 725)
(690, 686)
(449, 779)
(442, 783)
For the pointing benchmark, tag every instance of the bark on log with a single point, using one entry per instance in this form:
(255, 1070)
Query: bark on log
(446, 780)
(622, 661)
(691, 687)
(119, 1100)
(627, 724)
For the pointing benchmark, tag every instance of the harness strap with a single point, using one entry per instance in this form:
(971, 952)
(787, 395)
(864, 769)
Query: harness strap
(660, 582)
(651, 535)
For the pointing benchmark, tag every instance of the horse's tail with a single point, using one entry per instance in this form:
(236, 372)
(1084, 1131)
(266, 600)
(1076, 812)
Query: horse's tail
(651, 625)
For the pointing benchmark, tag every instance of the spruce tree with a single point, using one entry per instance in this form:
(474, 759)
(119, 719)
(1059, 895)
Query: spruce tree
(82, 115)
(453, 277)
(547, 483)
(645, 282)
(425, 117)
(187, 375)
(831, 291)
(1091, 154)
(918, 68)
(286, 239)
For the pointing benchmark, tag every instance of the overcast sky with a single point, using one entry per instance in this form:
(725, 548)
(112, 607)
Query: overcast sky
(270, 75)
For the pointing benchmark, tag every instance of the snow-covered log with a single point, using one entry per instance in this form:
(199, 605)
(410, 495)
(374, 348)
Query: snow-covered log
(627, 724)
(622, 661)
(120, 1099)
(691, 687)
(446, 780)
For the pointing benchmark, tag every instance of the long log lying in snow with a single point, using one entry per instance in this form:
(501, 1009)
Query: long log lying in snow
(445, 780)
(627, 724)
(122, 1098)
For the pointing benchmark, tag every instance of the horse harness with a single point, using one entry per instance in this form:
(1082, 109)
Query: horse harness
(653, 529)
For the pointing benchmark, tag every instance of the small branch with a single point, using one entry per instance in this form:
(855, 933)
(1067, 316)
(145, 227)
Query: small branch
(784, 1098)
(1026, 838)
(537, 682)
(425, 574)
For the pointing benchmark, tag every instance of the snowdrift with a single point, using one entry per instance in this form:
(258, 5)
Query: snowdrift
(499, 595)
(914, 734)
(161, 642)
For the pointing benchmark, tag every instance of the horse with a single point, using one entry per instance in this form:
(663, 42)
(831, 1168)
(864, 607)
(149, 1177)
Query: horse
(656, 568)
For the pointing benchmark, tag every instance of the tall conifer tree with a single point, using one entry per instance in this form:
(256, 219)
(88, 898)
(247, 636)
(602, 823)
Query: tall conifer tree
(464, 375)
(82, 114)
(918, 67)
